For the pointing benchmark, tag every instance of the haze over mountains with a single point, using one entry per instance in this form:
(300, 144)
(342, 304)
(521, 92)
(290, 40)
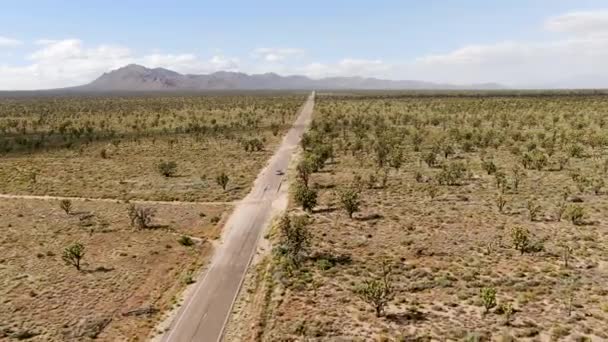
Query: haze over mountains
(139, 78)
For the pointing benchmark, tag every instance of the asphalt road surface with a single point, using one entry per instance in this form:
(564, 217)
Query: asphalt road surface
(205, 312)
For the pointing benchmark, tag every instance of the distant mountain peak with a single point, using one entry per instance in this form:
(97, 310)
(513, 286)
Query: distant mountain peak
(135, 77)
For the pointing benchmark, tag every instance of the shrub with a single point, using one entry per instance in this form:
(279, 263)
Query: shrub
(140, 217)
(222, 180)
(500, 203)
(489, 166)
(432, 190)
(488, 298)
(167, 168)
(185, 241)
(533, 209)
(597, 184)
(518, 175)
(295, 238)
(501, 181)
(305, 197)
(576, 213)
(305, 168)
(576, 150)
(377, 292)
(452, 173)
(521, 239)
(73, 254)
(561, 209)
(396, 159)
(430, 159)
(66, 205)
(349, 198)
(507, 310)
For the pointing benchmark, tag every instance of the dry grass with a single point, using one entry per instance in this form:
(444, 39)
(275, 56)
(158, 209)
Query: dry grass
(124, 268)
(111, 147)
(445, 249)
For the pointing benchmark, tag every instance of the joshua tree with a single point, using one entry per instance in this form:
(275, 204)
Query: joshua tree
(140, 217)
(488, 298)
(305, 197)
(66, 205)
(350, 201)
(295, 238)
(521, 239)
(73, 254)
(222, 180)
(377, 292)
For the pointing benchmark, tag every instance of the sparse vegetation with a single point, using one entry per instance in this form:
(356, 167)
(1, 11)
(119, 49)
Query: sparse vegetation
(499, 172)
(73, 254)
(222, 180)
(349, 198)
(140, 217)
(66, 206)
(167, 168)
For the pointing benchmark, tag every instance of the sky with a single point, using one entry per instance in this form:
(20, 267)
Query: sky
(518, 43)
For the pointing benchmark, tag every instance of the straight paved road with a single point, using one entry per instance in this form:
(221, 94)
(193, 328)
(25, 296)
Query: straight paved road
(203, 315)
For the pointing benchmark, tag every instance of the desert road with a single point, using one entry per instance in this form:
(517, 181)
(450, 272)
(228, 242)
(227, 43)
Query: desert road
(205, 312)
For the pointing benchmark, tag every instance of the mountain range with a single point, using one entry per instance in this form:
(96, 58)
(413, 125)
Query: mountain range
(135, 77)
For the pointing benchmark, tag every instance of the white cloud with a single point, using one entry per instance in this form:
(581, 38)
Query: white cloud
(68, 62)
(189, 63)
(346, 67)
(274, 55)
(580, 23)
(581, 53)
(9, 42)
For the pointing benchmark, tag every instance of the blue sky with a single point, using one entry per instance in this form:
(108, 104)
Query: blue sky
(47, 44)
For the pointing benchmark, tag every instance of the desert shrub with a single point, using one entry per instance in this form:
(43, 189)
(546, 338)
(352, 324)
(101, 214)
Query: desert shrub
(305, 168)
(533, 209)
(501, 201)
(377, 292)
(430, 159)
(304, 196)
(140, 217)
(518, 175)
(349, 198)
(488, 298)
(274, 128)
(222, 180)
(508, 311)
(562, 161)
(489, 166)
(576, 150)
(501, 181)
(560, 210)
(295, 238)
(396, 159)
(521, 239)
(539, 160)
(452, 173)
(73, 254)
(576, 214)
(185, 241)
(419, 177)
(432, 190)
(66, 205)
(597, 184)
(167, 168)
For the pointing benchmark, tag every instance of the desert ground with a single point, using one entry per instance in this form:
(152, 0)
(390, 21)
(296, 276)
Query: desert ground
(477, 217)
(146, 227)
